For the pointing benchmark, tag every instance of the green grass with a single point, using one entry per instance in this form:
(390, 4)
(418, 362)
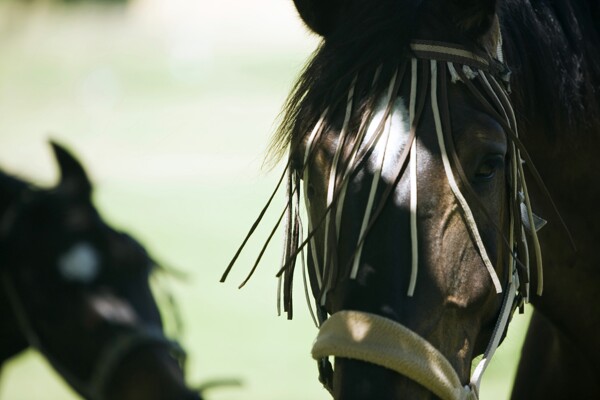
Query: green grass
(170, 106)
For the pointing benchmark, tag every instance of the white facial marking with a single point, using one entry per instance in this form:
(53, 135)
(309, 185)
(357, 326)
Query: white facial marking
(81, 263)
(112, 308)
(397, 126)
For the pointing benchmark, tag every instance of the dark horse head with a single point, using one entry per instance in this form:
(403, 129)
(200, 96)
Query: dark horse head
(403, 137)
(77, 290)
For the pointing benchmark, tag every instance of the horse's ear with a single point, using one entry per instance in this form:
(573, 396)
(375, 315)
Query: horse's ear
(321, 16)
(73, 178)
(473, 18)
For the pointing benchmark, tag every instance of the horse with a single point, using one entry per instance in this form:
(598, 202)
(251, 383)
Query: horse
(78, 291)
(447, 156)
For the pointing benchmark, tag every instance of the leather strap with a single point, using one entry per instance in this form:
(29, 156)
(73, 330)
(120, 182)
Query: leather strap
(431, 50)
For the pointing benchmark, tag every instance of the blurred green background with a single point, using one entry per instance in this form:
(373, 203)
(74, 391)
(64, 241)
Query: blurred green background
(170, 104)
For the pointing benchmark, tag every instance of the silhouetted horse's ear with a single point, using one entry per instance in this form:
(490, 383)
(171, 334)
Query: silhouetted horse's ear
(473, 18)
(73, 178)
(321, 16)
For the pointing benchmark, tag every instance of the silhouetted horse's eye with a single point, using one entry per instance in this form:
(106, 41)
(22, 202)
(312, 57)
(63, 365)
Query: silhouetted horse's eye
(80, 263)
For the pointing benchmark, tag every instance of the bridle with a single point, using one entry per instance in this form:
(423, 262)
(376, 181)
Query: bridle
(111, 356)
(384, 342)
(109, 359)
(372, 338)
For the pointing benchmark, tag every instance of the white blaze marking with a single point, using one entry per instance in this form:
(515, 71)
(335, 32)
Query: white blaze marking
(398, 128)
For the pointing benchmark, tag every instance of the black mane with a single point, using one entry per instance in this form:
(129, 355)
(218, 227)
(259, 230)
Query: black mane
(553, 48)
(369, 36)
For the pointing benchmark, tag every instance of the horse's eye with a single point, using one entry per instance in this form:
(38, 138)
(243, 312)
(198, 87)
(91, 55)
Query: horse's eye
(488, 168)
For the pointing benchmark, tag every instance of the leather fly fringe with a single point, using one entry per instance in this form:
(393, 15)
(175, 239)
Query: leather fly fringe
(433, 67)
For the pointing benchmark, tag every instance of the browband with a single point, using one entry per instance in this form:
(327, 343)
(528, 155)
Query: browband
(455, 53)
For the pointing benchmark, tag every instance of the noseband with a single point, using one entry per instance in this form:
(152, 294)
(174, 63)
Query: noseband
(384, 342)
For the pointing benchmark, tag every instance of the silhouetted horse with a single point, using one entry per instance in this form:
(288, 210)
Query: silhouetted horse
(417, 150)
(77, 291)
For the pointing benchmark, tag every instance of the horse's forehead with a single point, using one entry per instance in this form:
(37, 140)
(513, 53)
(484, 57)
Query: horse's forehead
(61, 212)
(395, 135)
(80, 217)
